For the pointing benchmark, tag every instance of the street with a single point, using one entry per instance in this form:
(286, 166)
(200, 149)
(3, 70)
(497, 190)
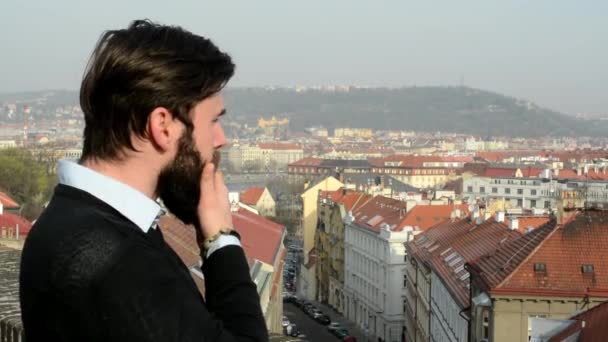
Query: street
(314, 331)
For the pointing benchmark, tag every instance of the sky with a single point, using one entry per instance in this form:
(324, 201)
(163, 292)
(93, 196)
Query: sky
(554, 53)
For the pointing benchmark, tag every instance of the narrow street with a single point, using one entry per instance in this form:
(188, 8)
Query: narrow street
(315, 332)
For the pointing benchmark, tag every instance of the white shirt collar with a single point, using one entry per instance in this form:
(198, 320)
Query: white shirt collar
(134, 205)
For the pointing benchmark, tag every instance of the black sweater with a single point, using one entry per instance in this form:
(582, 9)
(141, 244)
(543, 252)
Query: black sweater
(90, 274)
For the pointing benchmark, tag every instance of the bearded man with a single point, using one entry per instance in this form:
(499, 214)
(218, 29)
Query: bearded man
(95, 266)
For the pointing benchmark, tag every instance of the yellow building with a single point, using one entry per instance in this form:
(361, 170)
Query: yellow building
(353, 132)
(310, 200)
(274, 126)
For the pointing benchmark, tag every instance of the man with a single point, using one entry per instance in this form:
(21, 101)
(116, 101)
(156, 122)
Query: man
(95, 266)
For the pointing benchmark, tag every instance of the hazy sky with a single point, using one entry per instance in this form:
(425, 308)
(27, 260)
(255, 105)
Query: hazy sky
(552, 52)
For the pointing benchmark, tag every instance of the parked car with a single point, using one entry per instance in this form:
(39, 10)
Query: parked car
(333, 326)
(316, 313)
(291, 330)
(340, 333)
(349, 339)
(323, 319)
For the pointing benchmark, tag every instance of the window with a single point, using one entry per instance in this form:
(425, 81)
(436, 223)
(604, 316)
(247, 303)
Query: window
(494, 190)
(533, 192)
(404, 281)
(507, 190)
(540, 267)
(469, 189)
(587, 269)
(520, 203)
(547, 204)
(533, 203)
(520, 191)
(482, 189)
(485, 333)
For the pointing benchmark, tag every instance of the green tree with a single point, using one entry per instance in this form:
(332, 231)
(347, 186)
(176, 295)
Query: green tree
(26, 180)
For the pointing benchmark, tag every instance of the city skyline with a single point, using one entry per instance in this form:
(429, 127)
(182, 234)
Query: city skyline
(544, 52)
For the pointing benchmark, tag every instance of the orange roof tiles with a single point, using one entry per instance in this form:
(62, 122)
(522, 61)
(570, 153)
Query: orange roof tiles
(7, 201)
(589, 324)
(348, 198)
(279, 146)
(378, 211)
(252, 195)
(526, 223)
(307, 161)
(260, 237)
(426, 216)
(563, 249)
(448, 246)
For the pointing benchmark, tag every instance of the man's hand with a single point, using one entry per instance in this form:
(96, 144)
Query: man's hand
(213, 207)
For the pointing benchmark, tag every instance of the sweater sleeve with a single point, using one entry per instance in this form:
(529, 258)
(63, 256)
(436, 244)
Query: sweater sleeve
(146, 297)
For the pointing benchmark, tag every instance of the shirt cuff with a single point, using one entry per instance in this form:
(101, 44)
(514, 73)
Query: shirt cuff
(222, 241)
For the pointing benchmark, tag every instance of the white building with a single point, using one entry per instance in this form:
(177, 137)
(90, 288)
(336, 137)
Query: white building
(374, 267)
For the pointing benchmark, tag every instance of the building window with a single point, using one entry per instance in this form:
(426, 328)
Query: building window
(533, 192)
(533, 203)
(507, 190)
(587, 269)
(482, 189)
(494, 190)
(469, 189)
(520, 203)
(485, 329)
(404, 281)
(547, 204)
(520, 191)
(540, 267)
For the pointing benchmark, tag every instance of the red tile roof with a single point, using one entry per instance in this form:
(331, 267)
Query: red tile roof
(526, 223)
(252, 195)
(260, 237)
(426, 216)
(589, 324)
(182, 239)
(308, 161)
(378, 211)
(10, 221)
(348, 198)
(418, 161)
(564, 249)
(600, 174)
(279, 146)
(7, 201)
(448, 246)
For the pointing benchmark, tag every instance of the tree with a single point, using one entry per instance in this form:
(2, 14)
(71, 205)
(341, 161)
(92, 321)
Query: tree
(26, 180)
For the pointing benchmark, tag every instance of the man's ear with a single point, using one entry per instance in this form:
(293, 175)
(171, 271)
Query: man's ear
(162, 128)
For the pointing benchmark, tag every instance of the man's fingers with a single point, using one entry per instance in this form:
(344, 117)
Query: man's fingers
(207, 183)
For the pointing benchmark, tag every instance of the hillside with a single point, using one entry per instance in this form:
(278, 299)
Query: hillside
(446, 109)
(431, 109)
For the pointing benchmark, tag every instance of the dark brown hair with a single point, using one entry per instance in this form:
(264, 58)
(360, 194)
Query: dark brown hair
(135, 70)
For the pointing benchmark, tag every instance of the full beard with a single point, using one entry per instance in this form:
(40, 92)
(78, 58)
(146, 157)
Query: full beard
(179, 183)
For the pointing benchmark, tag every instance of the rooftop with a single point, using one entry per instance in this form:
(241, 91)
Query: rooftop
(252, 195)
(555, 259)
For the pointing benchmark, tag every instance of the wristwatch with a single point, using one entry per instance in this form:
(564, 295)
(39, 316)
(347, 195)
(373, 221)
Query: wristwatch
(210, 240)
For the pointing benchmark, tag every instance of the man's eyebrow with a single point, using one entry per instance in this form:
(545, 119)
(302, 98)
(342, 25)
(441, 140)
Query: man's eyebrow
(223, 112)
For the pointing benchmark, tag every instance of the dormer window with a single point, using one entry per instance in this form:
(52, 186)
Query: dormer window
(540, 267)
(587, 269)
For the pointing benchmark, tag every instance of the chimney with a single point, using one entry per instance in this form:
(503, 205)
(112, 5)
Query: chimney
(487, 215)
(514, 224)
(479, 220)
(500, 216)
